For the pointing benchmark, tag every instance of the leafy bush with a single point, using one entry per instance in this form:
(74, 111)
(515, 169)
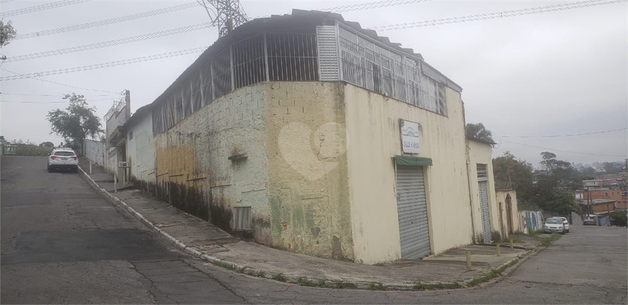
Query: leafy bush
(619, 218)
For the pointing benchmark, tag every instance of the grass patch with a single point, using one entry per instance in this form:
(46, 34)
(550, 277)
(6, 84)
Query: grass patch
(377, 286)
(345, 285)
(322, 283)
(280, 277)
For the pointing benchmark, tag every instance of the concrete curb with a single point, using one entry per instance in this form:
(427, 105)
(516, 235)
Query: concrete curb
(303, 281)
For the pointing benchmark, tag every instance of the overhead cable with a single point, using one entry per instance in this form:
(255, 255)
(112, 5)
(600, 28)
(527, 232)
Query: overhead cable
(106, 64)
(369, 5)
(110, 43)
(53, 102)
(567, 151)
(82, 26)
(569, 135)
(41, 7)
(55, 95)
(61, 84)
(495, 15)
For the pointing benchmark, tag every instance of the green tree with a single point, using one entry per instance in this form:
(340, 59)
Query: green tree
(76, 123)
(7, 33)
(516, 174)
(562, 202)
(555, 174)
(479, 132)
(613, 167)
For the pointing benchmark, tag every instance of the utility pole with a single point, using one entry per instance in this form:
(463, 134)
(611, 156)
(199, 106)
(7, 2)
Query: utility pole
(228, 14)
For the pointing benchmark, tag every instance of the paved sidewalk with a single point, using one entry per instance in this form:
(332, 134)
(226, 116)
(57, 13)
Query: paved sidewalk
(212, 244)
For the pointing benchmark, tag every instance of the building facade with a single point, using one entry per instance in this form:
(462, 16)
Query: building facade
(307, 133)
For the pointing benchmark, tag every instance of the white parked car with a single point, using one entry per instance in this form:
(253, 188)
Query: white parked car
(554, 225)
(565, 222)
(62, 158)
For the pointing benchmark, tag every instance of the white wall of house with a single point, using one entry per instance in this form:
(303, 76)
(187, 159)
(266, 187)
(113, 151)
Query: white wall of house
(502, 196)
(140, 149)
(373, 135)
(194, 154)
(480, 153)
(95, 151)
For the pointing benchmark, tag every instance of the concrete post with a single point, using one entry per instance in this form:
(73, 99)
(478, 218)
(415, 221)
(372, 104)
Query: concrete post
(498, 252)
(468, 254)
(511, 244)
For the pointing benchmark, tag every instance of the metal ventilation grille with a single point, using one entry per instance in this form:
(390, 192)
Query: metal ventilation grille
(327, 53)
(482, 173)
(242, 219)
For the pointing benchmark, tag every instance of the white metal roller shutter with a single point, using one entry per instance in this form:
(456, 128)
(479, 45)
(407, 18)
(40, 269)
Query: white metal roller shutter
(412, 212)
(486, 217)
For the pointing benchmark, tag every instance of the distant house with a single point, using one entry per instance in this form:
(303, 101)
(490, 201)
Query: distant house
(7, 148)
(308, 133)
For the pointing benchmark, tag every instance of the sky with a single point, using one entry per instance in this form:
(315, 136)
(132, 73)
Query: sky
(553, 81)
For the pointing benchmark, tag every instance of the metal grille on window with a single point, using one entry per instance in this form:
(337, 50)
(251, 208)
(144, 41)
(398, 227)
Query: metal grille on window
(242, 218)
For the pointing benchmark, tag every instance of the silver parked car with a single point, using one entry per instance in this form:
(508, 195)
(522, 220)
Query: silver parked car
(554, 225)
(62, 158)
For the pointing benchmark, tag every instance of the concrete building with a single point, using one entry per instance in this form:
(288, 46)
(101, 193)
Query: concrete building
(310, 134)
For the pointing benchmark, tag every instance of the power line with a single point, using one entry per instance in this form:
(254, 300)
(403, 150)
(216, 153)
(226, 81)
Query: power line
(504, 14)
(105, 65)
(567, 151)
(108, 21)
(32, 102)
(61, 84)
(110, 43)
(41, 7)
(370, 5)
(569, 135)
(55, 102)
(55, 95)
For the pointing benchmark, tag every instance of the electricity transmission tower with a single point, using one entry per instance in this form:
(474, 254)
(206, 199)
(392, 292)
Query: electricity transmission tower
(227, 14)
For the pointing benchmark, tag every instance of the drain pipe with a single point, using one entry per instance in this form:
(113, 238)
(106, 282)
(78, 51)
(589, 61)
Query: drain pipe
(470, 195)
(468, 160)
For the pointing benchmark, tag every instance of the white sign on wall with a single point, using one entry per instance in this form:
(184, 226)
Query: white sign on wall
(409, 137)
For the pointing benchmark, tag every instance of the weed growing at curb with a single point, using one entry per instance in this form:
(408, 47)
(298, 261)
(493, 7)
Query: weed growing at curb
(260, 273)
(436, 286)
(547, 240)
(377, 286)
(491, 275)
(280, 277)
(303, 281)
(345, 285)
(322, 283)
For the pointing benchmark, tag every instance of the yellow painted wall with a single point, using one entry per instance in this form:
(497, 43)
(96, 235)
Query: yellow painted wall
(307, 168)
(373, 133)
(480, 153)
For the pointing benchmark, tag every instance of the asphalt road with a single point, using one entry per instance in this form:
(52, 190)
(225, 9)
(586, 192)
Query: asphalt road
(62, 243)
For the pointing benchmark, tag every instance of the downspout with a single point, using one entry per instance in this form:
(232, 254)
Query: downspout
(466, 141)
